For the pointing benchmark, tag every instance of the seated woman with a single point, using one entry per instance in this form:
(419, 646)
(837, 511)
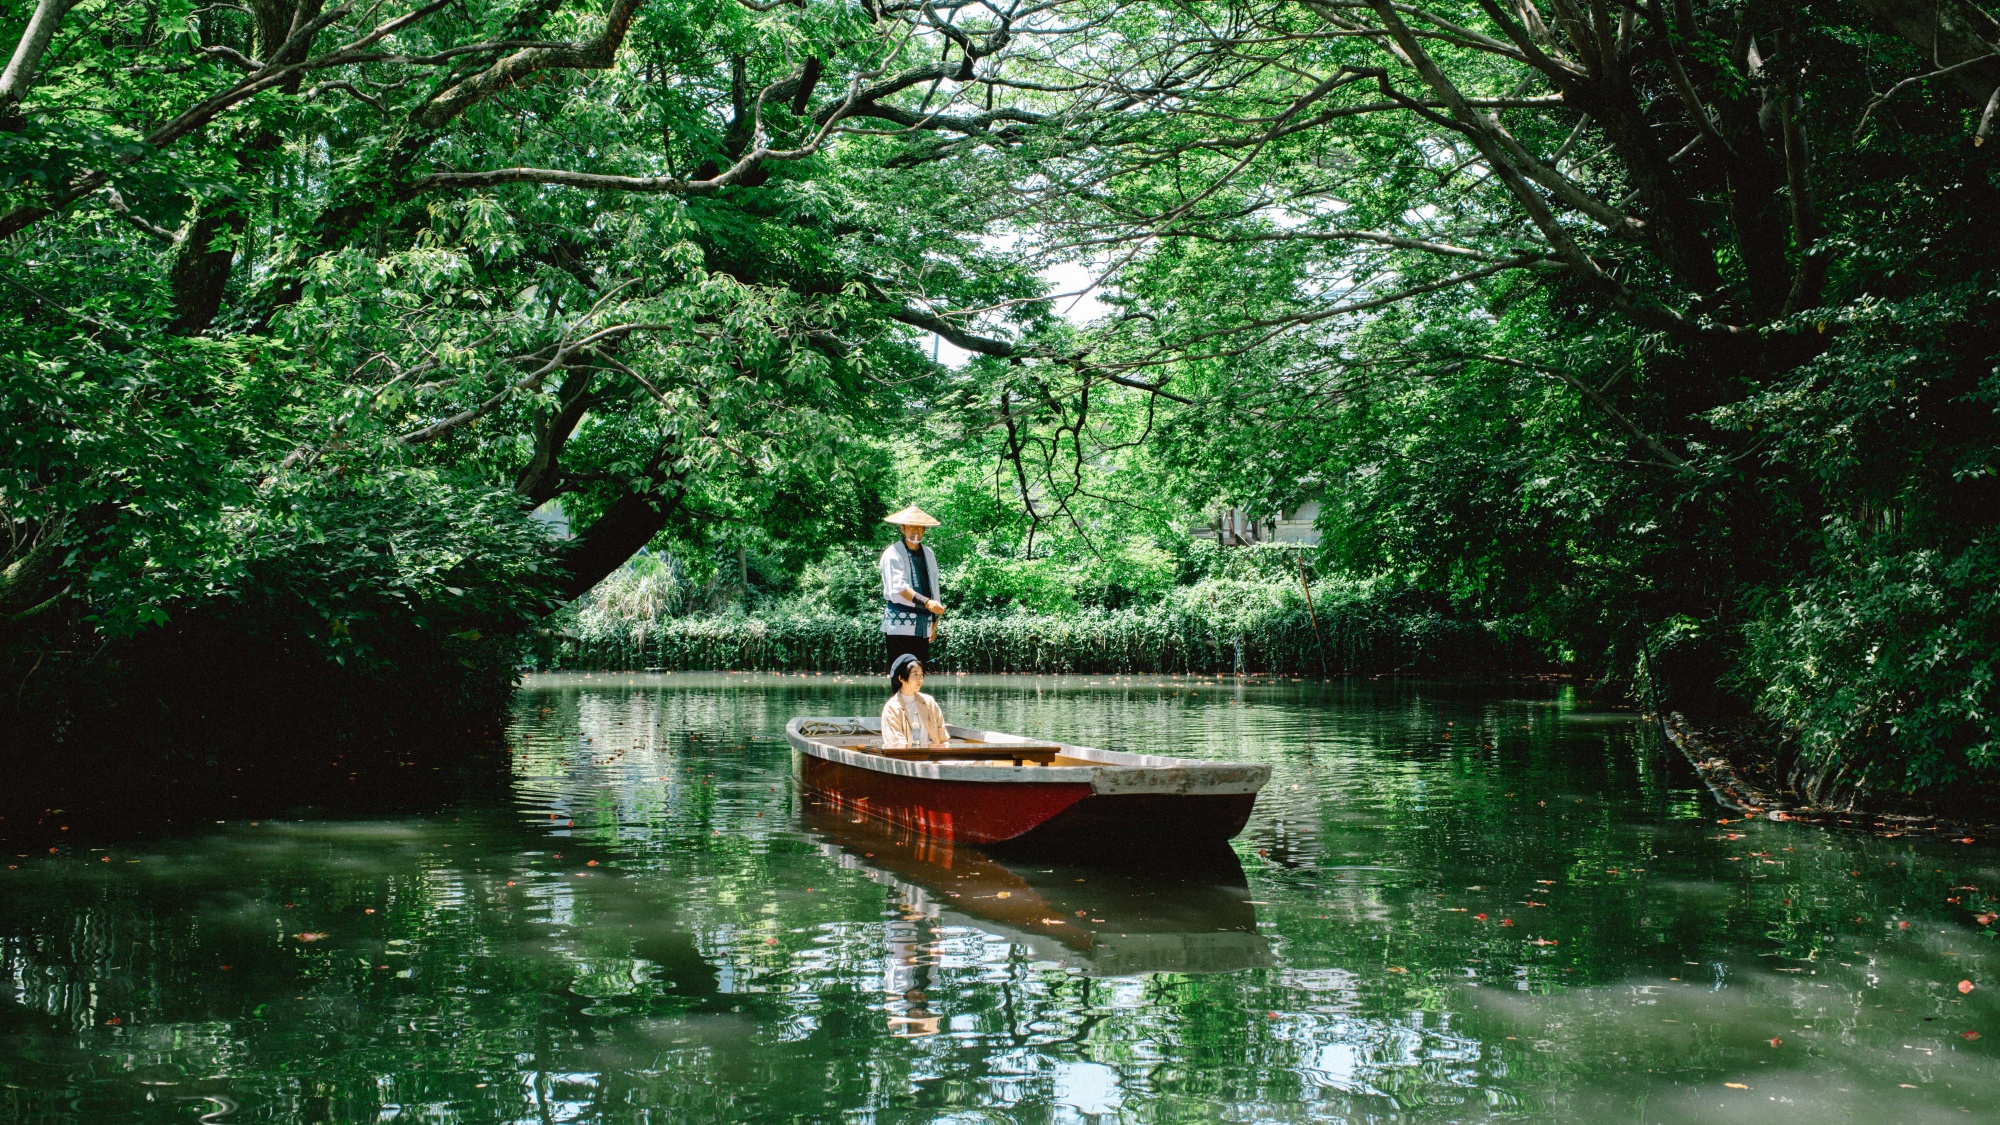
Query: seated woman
(910, 718)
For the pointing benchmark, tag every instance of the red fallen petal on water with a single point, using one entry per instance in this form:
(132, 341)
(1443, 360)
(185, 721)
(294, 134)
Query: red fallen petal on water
(1987, 919)
(591, 863)
(557, 855)
(1902, 925)
(1271, 1015)
(1964, 986)
(114, 1021)
(1967, 840)
(370, 910)
(309, 937)
(1398, 969)
(1481, 917)
(770, 941)
(1969, 1035)
(1506, 921)
(104, 859)
(1776, 1042)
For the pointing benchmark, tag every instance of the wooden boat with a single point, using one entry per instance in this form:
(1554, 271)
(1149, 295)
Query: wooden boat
(985, 787)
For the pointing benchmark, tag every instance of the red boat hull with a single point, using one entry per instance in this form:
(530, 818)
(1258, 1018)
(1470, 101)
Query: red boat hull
(979, 812)
(965, 811)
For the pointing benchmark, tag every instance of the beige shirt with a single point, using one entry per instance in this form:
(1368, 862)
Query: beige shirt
(899, 732)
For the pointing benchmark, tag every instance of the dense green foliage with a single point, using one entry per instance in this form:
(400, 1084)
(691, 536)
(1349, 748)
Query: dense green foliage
(1663, 333)
(1662, 336)
(267, 366)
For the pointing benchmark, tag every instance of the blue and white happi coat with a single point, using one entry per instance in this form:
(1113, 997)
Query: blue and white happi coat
(903, 569)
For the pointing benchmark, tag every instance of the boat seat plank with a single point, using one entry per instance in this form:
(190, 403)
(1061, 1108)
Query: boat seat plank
(1018, 753)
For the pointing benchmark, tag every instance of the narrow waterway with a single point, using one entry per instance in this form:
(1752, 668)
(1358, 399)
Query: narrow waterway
(1453, 903)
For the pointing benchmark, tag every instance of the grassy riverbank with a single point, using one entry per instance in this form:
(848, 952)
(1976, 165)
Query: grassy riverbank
(1241, 610)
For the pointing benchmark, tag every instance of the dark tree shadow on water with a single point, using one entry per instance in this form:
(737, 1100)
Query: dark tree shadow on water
(206, 725)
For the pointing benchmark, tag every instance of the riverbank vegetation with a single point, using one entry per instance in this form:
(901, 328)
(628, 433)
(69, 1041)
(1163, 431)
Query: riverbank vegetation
(1207, 610)
(1660, 336)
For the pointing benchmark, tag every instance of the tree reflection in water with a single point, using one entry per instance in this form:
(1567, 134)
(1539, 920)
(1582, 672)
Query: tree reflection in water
(651, 924)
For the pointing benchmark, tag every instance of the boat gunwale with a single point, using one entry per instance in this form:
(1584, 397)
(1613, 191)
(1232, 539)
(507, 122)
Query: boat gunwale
(1113, 771)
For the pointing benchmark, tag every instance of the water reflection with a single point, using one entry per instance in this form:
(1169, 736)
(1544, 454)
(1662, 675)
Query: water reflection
(1116, 916)
(1453, 903)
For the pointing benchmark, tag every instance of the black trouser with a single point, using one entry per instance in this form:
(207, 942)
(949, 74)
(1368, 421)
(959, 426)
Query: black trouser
(919, 647)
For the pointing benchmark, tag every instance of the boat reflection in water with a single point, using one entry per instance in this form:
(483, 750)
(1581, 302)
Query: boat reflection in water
(1117, 916)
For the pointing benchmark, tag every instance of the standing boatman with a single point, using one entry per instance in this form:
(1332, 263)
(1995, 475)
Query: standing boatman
(910, 605)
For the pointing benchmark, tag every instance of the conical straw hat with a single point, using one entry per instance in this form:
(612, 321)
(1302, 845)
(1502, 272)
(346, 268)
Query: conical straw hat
(909, 516)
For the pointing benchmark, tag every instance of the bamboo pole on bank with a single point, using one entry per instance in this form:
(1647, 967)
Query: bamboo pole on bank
(1312, 617)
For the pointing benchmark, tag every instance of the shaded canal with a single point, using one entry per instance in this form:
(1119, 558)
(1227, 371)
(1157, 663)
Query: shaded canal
(1452, 903)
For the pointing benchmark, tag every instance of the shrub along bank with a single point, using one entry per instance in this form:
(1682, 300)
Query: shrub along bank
(1244, 617)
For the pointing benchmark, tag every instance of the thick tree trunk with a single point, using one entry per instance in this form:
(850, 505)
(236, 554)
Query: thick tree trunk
(1758, 215)
(199, 274)
(1678, 233)
(629, 524)
(541, 481)
(207, 253)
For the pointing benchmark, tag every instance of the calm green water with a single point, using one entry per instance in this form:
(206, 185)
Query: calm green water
(1453, 903)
